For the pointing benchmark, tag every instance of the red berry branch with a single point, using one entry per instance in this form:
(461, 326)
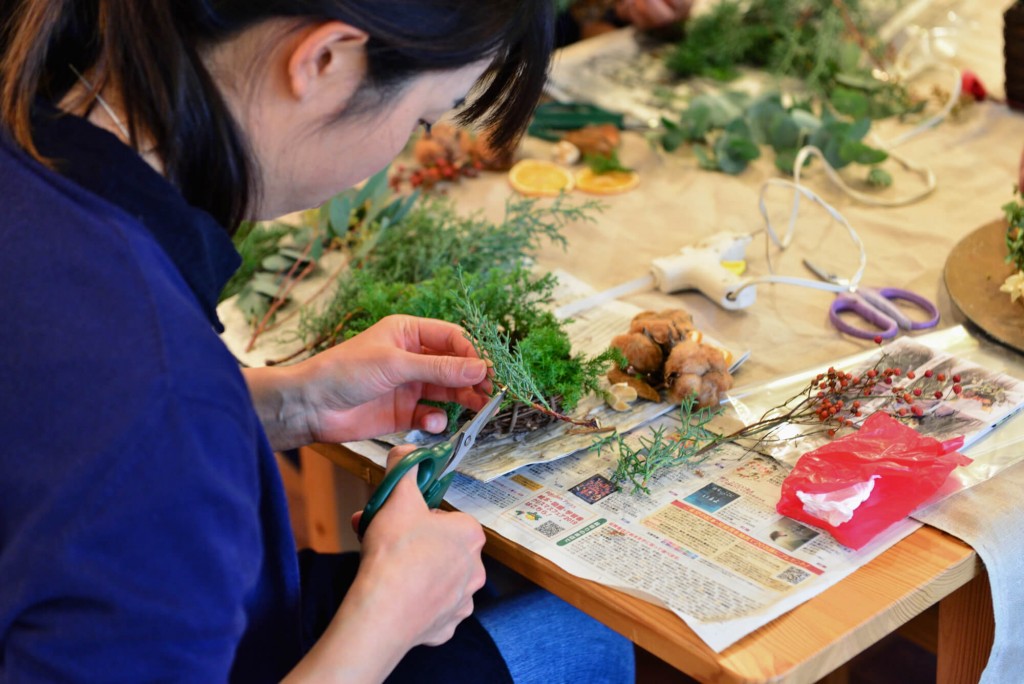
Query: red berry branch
(835, 401)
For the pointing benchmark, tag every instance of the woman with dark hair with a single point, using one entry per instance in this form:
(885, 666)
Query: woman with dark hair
(143, 528)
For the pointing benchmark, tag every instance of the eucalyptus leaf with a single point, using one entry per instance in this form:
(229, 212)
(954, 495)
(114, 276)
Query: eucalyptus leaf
(267, 284)
(295, 254)
(695, 122)
(734, 153)
(785, 160)
(276, 262)
(848, 56)
(253, 305)
(761, 114)
(805, 119)
(861, 81)
(339, 211)
(721, 108)
(879, 178)
(856, 152)
(783, 132)
(858, 129)
(850, 102)
(373, 187)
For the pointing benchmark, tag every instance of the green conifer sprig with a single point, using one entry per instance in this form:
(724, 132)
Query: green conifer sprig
(660, 450)
(495, 346)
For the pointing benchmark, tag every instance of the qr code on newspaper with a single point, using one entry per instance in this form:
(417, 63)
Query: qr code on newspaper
(549, 529)
(793, 575)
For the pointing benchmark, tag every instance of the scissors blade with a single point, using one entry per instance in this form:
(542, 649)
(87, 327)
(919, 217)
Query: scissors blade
(465, 438)
(822, 274)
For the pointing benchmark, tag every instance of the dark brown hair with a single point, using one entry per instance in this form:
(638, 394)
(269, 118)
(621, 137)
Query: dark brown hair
(151, 48)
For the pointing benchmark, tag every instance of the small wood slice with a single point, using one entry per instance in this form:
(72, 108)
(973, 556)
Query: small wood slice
(974, 271)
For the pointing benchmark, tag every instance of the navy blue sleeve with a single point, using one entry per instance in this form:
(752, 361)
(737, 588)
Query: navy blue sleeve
(143, 574)
(143, 533)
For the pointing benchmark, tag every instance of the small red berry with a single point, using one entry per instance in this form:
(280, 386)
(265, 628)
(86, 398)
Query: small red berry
(929, 373)
(911, 374)
(917, 391)
(972, 85)
(878, 339)
(957, 389)
(938, 394)
(941, 377)
(956, 378)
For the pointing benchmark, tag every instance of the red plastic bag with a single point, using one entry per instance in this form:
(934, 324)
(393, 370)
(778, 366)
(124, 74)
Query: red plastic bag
(889, 467)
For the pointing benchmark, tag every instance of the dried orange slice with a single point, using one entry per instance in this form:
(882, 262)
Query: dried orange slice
(540, 178)
(609, 183)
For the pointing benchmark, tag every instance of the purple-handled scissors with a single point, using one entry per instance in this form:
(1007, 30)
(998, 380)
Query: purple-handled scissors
(877, 307)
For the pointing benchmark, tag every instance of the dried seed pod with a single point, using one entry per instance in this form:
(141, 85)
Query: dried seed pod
(697, 368)
(566, 153)
(664, 327)
(643, 354)
(428, 151)
(643, 389)
(491, 158)
(599, 139)
(713, 385)
(619, 396)
(689, 357)
(682, 386)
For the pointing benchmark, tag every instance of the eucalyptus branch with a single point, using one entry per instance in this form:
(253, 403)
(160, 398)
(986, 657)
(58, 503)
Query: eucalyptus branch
(288, 283)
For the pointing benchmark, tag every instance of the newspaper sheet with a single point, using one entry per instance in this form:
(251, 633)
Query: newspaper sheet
(591, 332)
(707, 542)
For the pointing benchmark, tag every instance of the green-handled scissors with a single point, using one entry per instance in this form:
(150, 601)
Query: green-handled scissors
(436, 464)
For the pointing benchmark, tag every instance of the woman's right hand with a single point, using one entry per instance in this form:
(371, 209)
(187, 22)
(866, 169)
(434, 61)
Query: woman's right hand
(416, 580)
(431, 558)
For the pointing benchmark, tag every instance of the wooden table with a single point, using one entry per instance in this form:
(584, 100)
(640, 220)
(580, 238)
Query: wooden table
(926, 569)
(929, 584)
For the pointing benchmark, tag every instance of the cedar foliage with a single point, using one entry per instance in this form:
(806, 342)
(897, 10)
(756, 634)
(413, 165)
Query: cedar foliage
(437, 263)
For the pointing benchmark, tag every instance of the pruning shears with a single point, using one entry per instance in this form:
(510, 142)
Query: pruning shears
(435, 464)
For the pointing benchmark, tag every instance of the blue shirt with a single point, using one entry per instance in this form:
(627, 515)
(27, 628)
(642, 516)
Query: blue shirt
(143, 527)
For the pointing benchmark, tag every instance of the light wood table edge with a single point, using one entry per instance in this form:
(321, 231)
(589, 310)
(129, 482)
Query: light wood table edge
(801, 646)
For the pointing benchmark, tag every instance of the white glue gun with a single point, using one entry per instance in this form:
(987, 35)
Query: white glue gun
(713, 266)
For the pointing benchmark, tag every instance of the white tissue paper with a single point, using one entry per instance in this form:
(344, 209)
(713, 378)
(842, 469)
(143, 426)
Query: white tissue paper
(837, 507)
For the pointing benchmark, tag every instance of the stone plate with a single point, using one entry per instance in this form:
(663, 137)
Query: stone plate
(974, 270)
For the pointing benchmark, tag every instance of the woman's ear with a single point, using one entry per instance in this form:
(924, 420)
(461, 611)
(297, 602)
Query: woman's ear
(329, 57)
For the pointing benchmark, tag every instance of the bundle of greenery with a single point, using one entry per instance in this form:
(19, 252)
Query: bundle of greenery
(425, 259)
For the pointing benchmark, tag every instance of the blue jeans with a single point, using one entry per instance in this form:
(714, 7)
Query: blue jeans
(545, 640)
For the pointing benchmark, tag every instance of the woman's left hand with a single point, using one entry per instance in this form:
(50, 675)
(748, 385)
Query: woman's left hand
(371, 384)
